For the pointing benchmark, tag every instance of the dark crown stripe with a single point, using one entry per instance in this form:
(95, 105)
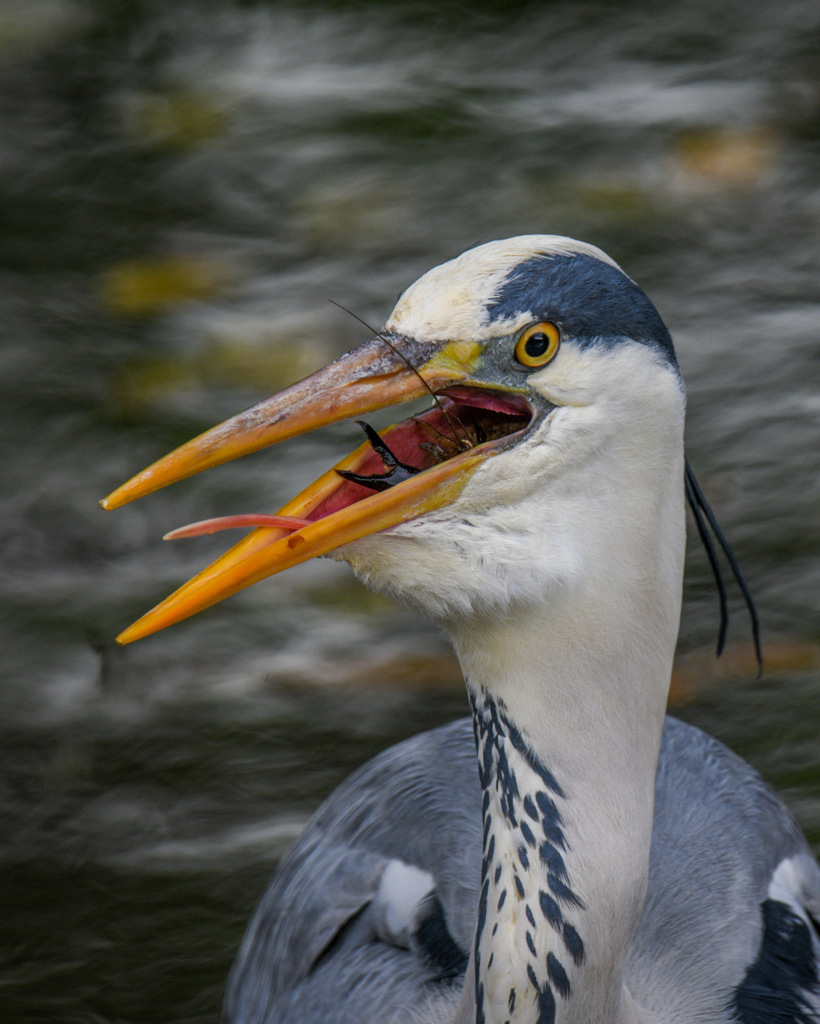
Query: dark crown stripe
(591, 301)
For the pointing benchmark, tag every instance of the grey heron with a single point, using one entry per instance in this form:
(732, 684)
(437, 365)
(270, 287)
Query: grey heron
(605, 863)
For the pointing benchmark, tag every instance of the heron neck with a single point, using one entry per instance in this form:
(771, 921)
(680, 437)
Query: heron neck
(568, 712)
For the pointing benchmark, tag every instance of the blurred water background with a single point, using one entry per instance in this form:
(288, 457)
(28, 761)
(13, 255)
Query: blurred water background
(183, 187)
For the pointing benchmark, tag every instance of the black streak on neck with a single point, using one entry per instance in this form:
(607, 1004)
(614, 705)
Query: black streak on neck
(535, 817)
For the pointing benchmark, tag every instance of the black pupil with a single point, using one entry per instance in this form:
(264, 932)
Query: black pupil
(537, 344)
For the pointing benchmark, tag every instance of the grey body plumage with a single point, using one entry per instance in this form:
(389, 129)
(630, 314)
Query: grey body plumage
(312, 955)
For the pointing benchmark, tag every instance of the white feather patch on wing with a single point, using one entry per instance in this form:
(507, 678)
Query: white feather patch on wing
(792, 880)
(402, 889)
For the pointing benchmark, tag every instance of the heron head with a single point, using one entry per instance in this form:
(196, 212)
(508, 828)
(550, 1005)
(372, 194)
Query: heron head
(553, 437)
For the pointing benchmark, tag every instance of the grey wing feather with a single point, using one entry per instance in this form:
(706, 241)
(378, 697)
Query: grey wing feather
(302, 926)
(719, 835)
(315, 951)
(319, 931)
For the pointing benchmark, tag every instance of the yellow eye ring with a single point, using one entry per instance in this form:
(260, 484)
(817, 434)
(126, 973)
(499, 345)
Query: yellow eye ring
(537, 345)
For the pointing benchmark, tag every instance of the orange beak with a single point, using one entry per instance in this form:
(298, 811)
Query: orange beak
(439, 450)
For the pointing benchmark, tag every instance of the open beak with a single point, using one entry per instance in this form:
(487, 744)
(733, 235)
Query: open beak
(415, 466)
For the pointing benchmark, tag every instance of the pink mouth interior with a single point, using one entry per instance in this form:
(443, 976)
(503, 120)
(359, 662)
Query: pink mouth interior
(463, 418)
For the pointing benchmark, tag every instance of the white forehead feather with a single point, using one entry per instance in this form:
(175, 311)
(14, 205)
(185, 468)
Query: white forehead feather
(450, 301)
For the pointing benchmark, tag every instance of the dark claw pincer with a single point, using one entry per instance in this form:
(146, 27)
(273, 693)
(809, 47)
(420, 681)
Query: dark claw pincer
(396, 471)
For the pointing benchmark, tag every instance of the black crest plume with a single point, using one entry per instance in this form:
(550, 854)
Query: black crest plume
(705, 520)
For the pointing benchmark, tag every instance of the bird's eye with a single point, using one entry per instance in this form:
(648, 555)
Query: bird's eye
(537, 345)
